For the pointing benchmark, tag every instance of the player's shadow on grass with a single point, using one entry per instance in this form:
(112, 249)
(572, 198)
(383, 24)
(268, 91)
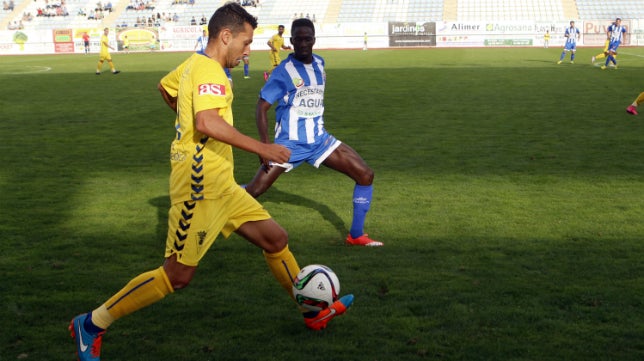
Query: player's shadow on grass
(162, 204)
(276, 195)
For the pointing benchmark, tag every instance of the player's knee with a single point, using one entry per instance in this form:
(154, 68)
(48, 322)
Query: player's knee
(366, 177)
(279, 241)
(180, 282)
(179, 276)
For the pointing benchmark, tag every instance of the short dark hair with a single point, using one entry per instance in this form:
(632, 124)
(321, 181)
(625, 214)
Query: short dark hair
(231, 15)
(302, 22)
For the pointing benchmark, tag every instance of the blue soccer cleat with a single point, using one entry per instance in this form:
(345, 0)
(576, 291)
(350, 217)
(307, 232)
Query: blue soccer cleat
(88, 346)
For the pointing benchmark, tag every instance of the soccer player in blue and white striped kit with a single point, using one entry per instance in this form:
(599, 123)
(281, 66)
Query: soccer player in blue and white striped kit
(572, 35)
(297, 85)
(615, 34)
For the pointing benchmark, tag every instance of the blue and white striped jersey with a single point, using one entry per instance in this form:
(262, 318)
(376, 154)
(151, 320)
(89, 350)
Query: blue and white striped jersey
(571, 35)
(299, 90)
(616, 32)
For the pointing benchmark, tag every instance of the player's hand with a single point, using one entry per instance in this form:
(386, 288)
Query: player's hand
(276, 153)
(265, 164)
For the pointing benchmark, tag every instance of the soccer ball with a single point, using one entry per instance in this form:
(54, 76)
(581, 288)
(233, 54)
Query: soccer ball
(316, 287)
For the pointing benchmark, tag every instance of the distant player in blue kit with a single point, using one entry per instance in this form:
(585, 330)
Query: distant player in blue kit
(615, 34)
(572, 35)
(297, 85)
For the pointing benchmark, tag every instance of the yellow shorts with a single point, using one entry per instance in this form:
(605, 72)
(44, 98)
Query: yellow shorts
(104, 57)
(275, 58)
(193, 226)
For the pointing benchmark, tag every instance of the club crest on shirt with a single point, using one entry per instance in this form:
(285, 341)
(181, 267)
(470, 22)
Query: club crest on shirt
(212, 89)
(298, 82)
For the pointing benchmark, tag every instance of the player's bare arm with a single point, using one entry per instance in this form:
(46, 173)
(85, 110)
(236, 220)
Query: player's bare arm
(270, 45)
(209, 122)
(261, 119)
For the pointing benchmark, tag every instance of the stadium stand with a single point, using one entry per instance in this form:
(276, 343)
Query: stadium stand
(283, 12)
(508, 10)
(626, 9)
(46, 14)
(367, 11)
(87, 13)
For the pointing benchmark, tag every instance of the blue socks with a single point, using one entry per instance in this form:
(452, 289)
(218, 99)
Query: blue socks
(361, 203)
(245, 69)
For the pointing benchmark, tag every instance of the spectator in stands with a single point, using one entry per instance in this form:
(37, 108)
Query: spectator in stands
(572, 35)
(175, 18)
(632, 109)
(276, 43)
(204, 20)
(104, 55)
(11, 5)
(5, 6)
(193, 21)
(300, 107)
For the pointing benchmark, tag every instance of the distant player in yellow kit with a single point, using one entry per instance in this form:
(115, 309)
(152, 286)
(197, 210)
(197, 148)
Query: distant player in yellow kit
(276, 43)
(104, 55)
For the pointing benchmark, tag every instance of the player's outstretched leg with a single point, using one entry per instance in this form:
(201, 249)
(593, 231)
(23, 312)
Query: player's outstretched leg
(319, 320)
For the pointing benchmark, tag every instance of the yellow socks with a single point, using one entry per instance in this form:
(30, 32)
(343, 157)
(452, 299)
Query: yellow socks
(639, 100)
(284, 268)
(143, 290)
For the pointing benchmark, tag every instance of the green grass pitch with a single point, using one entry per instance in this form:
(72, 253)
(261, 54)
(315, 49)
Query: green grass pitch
(509, 193)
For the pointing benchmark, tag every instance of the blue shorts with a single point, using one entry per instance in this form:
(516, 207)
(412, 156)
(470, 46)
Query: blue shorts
(614, 45)
(570, 47)
(313, 154)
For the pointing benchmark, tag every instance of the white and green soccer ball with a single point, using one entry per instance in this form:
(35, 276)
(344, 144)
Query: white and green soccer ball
(316, 287)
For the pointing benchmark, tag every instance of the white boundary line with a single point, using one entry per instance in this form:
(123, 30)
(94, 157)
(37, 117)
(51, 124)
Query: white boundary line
(30, 70)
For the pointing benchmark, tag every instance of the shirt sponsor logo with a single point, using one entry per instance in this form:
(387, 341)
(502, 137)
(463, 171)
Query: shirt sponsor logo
(212, 89)
(298, 82)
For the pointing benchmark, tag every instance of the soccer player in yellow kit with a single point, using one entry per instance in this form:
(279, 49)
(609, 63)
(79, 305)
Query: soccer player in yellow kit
(104, 55)
(205, 199)
(276, 43)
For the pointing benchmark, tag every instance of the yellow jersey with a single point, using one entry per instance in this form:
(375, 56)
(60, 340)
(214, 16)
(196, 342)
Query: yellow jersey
(277, 42)
(202, 167)
(104, 42)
